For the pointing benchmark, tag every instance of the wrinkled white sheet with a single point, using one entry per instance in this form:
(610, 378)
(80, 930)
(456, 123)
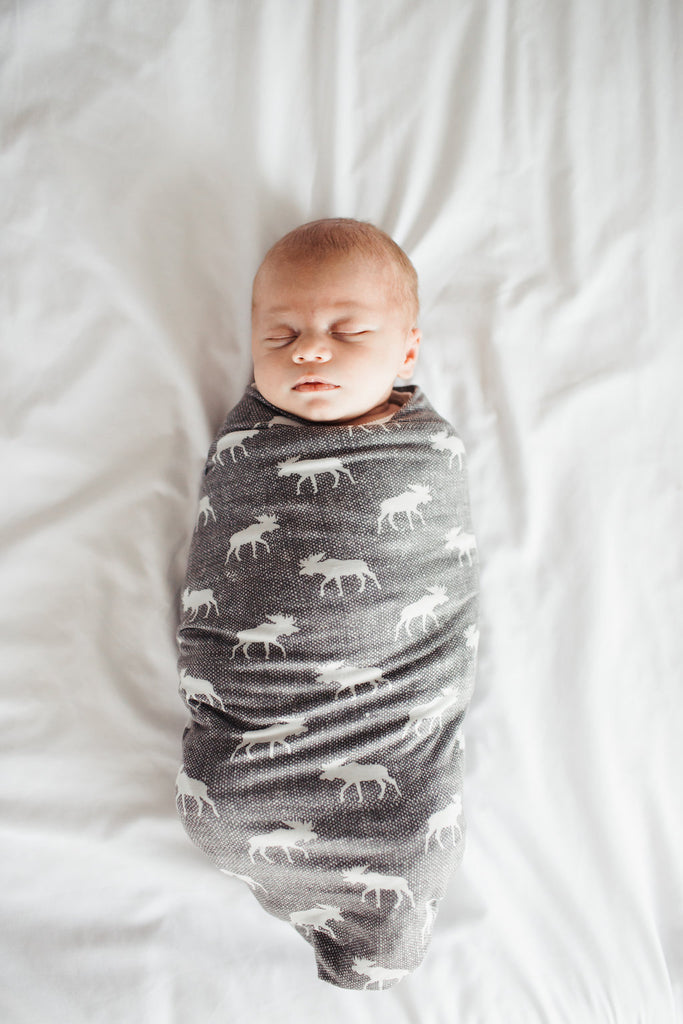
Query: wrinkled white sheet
(528, 157)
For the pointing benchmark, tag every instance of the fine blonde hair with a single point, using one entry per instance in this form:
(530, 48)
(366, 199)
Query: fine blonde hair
(319, 239)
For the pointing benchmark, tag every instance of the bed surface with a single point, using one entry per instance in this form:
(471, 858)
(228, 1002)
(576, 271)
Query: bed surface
(528, 158)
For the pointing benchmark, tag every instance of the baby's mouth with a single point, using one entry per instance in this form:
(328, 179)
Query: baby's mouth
(314, 384)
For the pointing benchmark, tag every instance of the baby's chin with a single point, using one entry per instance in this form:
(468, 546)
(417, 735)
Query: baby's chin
(317, 406)
(333, 418)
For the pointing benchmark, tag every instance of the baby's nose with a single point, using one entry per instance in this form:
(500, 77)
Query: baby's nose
(310, 347)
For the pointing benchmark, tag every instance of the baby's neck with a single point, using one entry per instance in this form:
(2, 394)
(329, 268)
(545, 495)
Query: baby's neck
(387, 408)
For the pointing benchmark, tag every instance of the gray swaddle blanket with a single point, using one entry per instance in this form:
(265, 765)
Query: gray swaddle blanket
(327, 653)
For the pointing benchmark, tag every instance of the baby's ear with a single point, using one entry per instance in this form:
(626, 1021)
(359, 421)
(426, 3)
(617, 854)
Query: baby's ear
(411, 353)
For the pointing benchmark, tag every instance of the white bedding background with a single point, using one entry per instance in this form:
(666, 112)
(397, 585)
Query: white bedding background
(527, 155)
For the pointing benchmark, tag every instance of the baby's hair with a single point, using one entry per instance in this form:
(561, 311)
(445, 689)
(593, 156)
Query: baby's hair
(323, 238)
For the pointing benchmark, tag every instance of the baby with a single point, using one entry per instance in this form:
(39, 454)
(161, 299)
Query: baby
(328, 643)
(335, 302)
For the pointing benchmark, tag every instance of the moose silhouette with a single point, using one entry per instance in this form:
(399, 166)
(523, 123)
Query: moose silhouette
(445, 442)
(272, 734)
(334, 569)
(424, 608)
(193, 600)
(286, 839)
(447, 818)
(375, 974)
(306, 469)
(408, 502)
(374, 882)
(352, 774)
(195, 790)
(233, 440)
(252, 535)
(266, 633)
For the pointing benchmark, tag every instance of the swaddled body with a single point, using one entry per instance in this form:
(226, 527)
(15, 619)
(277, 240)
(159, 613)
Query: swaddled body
(327, 657)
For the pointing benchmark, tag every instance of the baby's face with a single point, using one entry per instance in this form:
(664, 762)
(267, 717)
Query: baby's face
(339, 321)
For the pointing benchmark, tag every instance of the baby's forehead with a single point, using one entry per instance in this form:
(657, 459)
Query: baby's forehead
(279, 274)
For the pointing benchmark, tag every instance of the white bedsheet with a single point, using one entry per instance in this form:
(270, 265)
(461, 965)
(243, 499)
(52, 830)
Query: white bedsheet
(528, 157)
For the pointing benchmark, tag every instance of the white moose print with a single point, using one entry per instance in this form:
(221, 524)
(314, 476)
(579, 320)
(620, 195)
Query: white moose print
(353, 774)
(281, 421)
(349, 677)
(205, 509)
(431, 907)
(233, 440)
(272, 734)
(408, 502)
(463, 543)
(374, 882)
(316, 918)
(431, 712)
(247, 879)
(199, 689)
(375, 974)
(472, 638)
(193, 600)
(252, 535)
(266, 633)
(447, 818)
(445, 442)
(306, 469)
(195, 790)
(422, 609)
(335, 568)
(284, 839)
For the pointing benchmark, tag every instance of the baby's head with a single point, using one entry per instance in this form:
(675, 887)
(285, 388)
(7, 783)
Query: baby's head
(334, 300)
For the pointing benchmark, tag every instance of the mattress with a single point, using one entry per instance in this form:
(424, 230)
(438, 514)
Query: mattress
(528, 159)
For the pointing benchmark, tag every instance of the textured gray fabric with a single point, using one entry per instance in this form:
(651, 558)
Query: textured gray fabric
(327, 653)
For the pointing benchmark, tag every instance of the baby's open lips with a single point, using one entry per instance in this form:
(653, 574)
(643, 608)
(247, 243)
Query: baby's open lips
(311, 380)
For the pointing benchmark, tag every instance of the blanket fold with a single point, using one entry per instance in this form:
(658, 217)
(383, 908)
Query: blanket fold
(327, 655)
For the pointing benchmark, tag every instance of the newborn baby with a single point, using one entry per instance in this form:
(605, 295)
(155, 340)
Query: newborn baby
(328, 642)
